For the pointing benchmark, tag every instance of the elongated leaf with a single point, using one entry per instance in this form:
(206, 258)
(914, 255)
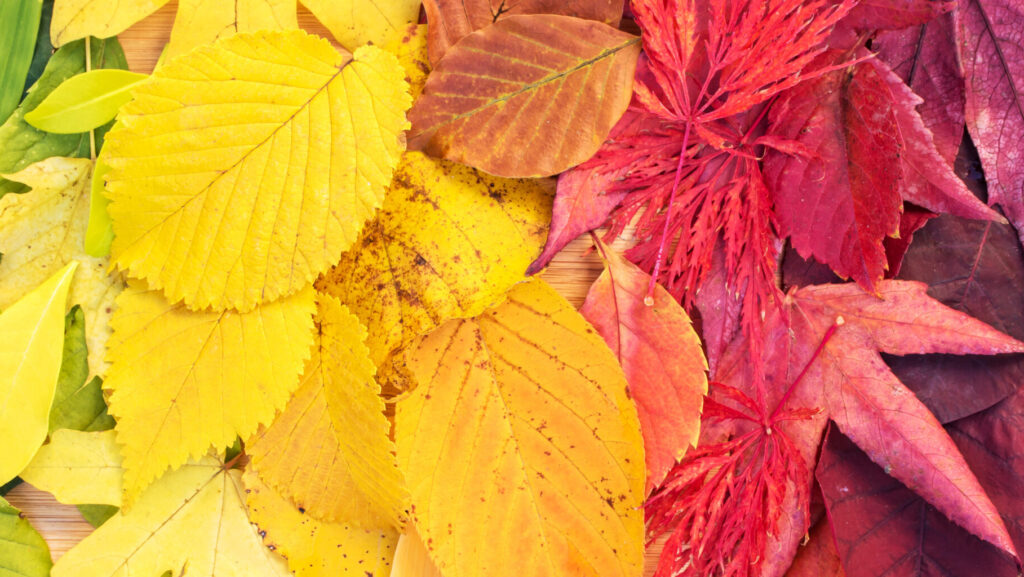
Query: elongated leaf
(490, 103)
(19, 23)
(23, 552)
(78, 468)
(78, 403)
(521, 446)
(201, 22)
(227, 195)
(31, 331)
(84, 101)
(184, 381)
(354, 23)
(76, 19)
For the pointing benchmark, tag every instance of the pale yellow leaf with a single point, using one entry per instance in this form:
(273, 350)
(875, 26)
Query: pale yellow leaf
(78, 468)
(44, 229)
(315, 548)
(357, 22)
(330, 451)
(31, 343)
(243, 169)
(521, 447)
(449, 242)
(412, 558)
(183, 381)
(203, 21)
(192, 522)
(74, 19)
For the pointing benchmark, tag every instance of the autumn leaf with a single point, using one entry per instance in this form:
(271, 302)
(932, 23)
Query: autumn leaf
(410, 48)
(78, 401)
(76, 19)
(32, 331)
(85, 101)
(817, 557)
(526, 119)
(23, 552)
(329, 451)
(871, 15)
(201, 22)
(448, 243)
(182, 381)
(314, 548)
(661, 355)
(354, 23)
(78, 468)
(412, 558)
(525, 408)
(45, 229)
(297, 165)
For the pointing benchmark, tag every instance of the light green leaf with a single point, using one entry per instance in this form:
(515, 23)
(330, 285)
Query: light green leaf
(30, 349)
(23, 552)
(100, 232)
(78, 403)
(85, 101)
(19, 23)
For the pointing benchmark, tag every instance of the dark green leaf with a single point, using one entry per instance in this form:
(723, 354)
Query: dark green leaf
(78, 405)
(19, 23)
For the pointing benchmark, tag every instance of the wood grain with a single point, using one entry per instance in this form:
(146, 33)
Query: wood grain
(571, 273)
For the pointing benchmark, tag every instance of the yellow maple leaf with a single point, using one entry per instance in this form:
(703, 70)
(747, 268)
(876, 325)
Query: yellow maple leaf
(449, 242)
(315, 548)
(183, 381)
(44, 229)
(243, 169)
(521, 447)
(412, 558)
(200, 22)
(354, 23)
(74, 19)
(330, 450)
(78, 468)
(32, 337)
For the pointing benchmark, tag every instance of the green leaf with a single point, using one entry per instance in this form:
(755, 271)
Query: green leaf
(84, 101)
(43, 51)
(97, 515)
(78, 405)
(23, 552)
(100, 232)
(20, 143)
(19, 23)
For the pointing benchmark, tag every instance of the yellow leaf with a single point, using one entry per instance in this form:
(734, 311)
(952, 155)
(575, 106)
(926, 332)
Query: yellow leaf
(330, 450)
(357, 22)
(521, 447)
(183, 381)
(411, 49)
(203, 21)
(412, 558)
(449, 242)
(78, 468)
(191, 522)
(314, 548)
(242, 170)
(74, 19)
(32, 337)
(42, 230)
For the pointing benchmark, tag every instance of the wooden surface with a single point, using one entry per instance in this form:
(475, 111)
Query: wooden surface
(571, 273)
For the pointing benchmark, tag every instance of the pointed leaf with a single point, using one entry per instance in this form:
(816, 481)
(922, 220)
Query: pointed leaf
(78, 468)
(75, 19)
(23, 552)
(296, 166)
(201, 22)
(354, 23)
(84, 101)
(78, 402)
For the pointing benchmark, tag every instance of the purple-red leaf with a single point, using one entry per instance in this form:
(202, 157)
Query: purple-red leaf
(894, 14)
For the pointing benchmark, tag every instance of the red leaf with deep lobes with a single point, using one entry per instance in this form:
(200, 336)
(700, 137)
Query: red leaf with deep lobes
(884, 528)
(660, 354)
(895, 14)
(991, 47)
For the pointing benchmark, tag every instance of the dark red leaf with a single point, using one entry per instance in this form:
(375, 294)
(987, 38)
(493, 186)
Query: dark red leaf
(894, 14)
(911, 221)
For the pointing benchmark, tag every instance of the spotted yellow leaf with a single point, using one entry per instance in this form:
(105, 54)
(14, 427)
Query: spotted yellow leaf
(330, 451)
(44, 229)
(78, 468)
(521, 447)
(74, 19)
(411, 49)
(243, 169)
(449, 242)
(315, 548)
(183, 381)
(357, 22)
(203, 21)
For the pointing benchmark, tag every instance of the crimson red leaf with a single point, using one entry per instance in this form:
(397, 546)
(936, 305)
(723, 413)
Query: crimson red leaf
(911, 221)
(720, 307)
(894, 14)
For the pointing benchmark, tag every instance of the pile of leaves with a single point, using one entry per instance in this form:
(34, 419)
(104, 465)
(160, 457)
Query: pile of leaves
(271, 308)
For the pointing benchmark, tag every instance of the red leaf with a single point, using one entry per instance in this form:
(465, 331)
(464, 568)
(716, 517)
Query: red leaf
(911, 221)
(818, 558)
(720, 307)
(894, 14)
(884, 528)
(660, 354)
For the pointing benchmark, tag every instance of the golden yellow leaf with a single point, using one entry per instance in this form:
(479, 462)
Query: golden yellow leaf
(357, 22)
(315, 548)
(412, 558)
(411, 49)
(74, 19)
(521, 447)
(449, 242)
(32, 337)
(203, 21)
(191, 522)
(183, 381)
(330, 451)
(242, 170)
(44, 229)
(78, 468)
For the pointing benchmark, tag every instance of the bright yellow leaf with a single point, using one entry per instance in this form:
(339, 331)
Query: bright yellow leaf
(357, 22)
(242, 170)
(412, 558)
(183, 381)
(44, 229)
(449, 242)
(203, 21)
(78, 468)
(192, 522)
(330, 450)
(74, 19)
(521, 447)
(411, 49)
(315, 548)
(31, 344)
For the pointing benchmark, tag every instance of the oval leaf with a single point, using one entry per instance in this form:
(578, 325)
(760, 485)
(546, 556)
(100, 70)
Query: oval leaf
(529, 96)
(84, 101)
